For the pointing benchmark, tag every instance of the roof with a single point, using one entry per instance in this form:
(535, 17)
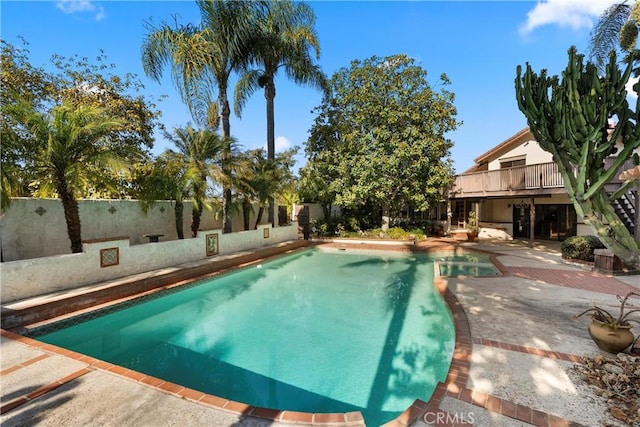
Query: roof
(631, 173)
(504, 147)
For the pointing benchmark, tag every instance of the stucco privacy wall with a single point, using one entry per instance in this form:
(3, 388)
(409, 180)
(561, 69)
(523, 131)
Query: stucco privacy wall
(33, 277)
(315, 211)
(33, 228)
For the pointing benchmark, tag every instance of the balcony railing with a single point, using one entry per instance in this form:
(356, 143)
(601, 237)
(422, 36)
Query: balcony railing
(531, 177)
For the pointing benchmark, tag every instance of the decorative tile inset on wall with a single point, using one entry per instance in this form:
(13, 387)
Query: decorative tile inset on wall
(265, 233)
(109, 257)
(112, 210)
(40, 211)
(162, 209)
(212, 244)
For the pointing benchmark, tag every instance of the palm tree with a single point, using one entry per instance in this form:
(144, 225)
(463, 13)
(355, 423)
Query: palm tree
(198, 153)
(69, 140)
(283, 38)
(202, 59)
(262, 182)
(268, 176)
(165, 179)
(289, 196)
(617, 28)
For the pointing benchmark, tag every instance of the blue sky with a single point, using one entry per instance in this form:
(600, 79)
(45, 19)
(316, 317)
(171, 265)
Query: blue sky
(478, 44)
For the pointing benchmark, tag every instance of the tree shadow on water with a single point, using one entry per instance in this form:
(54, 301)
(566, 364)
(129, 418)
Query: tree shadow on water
(406, 371)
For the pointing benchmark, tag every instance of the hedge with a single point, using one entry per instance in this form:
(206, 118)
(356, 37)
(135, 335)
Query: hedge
(581, 247)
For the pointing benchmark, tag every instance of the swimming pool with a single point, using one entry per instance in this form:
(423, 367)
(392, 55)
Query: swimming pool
(317, 331)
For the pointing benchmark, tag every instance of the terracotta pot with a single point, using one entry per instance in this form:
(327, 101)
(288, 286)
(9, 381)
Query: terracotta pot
(610, 339)
(471, 236)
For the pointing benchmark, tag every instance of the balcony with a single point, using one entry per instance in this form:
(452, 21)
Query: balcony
(531, 180)
(542, 178)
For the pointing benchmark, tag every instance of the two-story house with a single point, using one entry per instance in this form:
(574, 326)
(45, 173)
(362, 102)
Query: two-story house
(516, 190)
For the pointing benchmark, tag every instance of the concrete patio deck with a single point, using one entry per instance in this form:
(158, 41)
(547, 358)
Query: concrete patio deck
(524, 342)
(513, 366)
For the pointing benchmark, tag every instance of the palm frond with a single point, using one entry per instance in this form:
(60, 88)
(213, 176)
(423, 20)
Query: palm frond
(605, 34)
(246, 86)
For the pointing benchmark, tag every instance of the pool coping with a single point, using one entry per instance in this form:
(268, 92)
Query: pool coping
(456, 378)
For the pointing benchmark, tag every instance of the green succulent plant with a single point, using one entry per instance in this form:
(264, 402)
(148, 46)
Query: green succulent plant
(604, 316)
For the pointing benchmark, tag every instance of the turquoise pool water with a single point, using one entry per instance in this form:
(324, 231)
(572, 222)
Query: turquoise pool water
(316, 331)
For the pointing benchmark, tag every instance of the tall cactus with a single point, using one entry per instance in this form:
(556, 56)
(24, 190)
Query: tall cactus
(569, 118)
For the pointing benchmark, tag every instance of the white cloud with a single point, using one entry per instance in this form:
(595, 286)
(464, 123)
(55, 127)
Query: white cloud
(629, 87)
(100, 15)
(74, 6)
(575, 14)
(80, 6)
(282, 143)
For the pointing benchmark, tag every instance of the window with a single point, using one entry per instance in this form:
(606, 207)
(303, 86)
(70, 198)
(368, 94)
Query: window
(510, 163)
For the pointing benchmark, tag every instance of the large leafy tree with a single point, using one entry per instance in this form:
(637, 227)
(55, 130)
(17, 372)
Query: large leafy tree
(202, 58)
(21, 84)
(284, 38)
(380, 136)
(67, 141)
(317, 176)
(76, 82)
(315, 182)
(569, 117)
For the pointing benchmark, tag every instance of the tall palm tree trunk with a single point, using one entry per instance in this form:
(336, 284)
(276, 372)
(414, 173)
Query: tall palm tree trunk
(259, 217)
(246, 213)
(225, 113)
(198, 202)
(226, 134)
(196, 213)
(226, 215)
(71, 214)
(179, 214)
(270, 94)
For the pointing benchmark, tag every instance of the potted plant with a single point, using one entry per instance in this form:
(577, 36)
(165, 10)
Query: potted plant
(612, 334)
(472, 226)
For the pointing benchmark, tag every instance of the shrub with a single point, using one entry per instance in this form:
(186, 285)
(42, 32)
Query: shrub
(353, 224)
(472, 223)
(581, 247)
(322, 228)
(374, 232)
(348, 227)
(335, 227)
(433, 228)
(401, 233)
(396, 233)
(418, 233)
